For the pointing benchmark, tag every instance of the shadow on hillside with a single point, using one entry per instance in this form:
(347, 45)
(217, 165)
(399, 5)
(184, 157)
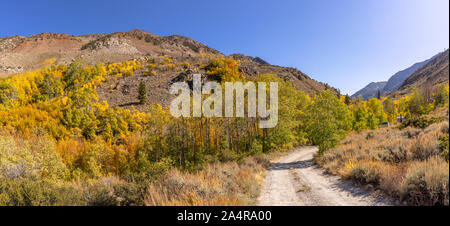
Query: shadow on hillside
(296, 165)
(129, 104)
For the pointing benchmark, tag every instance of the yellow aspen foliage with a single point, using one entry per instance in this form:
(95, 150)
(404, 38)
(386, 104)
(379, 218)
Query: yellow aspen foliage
(49, 62)
(225, 69)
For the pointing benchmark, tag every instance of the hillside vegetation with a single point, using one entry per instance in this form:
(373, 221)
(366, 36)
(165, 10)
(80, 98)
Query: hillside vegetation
(61, 145)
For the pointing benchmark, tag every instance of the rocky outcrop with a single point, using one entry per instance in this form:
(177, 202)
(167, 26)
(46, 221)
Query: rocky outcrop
(9, 43)
(113, 44)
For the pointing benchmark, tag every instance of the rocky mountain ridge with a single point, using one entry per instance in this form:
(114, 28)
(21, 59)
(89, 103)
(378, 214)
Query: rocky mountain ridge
(21, 53)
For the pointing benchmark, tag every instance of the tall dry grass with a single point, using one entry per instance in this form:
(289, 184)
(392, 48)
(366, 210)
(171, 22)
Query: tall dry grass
(426, 182)
(219, 184)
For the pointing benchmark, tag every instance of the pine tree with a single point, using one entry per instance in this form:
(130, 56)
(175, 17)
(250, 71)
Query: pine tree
(142, 93)
(348, 100)
(379, 95)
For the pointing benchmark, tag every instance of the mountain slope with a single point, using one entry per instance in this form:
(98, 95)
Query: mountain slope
(370, 90)
(26, 53)
(20, 53)
(394, 82)
(252, 66)
(398, 78)
(434, 73)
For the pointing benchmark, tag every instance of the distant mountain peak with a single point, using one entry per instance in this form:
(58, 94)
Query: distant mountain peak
(371, 90)
(398, 78)
(394, 82)
(432, 74)
(242, 57)
(259, 60)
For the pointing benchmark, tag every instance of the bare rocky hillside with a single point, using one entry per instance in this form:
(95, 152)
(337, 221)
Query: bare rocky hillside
(20, 53)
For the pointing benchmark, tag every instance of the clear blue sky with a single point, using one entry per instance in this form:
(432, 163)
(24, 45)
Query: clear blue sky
(346, 43)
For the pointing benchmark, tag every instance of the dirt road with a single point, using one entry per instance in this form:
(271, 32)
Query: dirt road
(295, 181)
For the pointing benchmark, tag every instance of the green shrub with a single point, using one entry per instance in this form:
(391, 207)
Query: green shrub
(419, 122)
(31, 159)
(159, 168)
(130, 194)
(228, 155)
(112, 191)
(100, 194)
(28, 192)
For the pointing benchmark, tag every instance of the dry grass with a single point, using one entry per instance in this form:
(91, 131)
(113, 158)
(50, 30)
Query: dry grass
(425, 145)
(426, 182)
(406, 163)
(219, 184)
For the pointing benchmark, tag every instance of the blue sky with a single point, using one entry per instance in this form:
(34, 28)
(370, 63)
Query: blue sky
(346, 43)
